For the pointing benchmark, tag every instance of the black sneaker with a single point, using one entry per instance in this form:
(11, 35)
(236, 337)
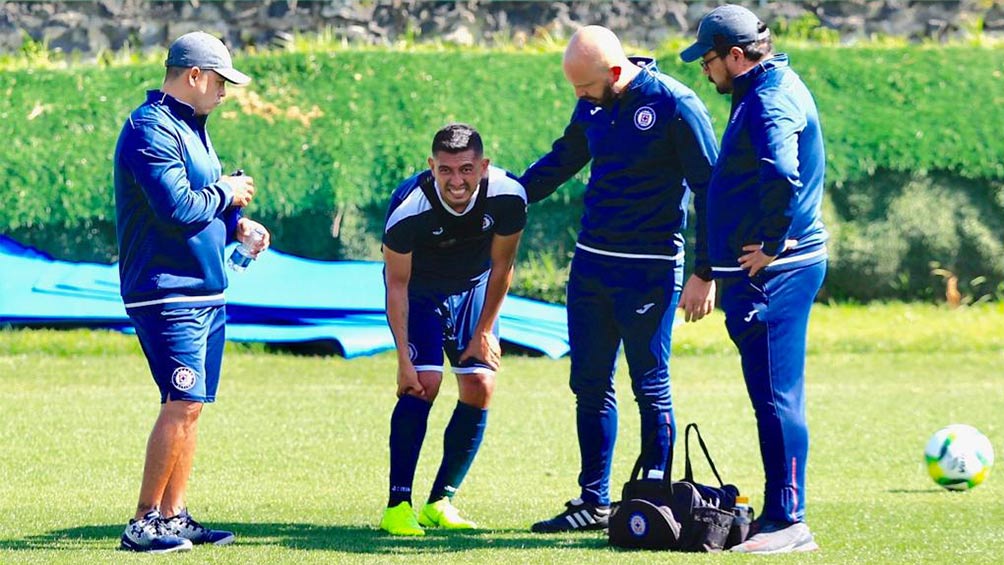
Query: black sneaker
(184, 526)
(578, 516)
(149, 535)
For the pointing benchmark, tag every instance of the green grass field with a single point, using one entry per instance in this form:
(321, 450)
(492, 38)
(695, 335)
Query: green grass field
(293, 456)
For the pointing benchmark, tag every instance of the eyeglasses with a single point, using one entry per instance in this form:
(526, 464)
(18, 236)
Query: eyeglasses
(706, 62)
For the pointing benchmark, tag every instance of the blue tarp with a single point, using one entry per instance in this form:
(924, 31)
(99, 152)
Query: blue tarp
(280, 299)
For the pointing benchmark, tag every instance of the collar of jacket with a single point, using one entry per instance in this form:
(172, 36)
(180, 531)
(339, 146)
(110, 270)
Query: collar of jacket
(177, 107)
(742, 83)
(648, 70)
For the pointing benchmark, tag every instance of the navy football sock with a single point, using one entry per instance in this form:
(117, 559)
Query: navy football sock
(460, 444)
(407, 432)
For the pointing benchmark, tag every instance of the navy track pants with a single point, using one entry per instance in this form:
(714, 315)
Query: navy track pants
(767, 317)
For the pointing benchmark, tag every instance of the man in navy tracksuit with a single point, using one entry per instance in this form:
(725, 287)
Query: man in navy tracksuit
(767, 248)
(651, 143)
(175, 213)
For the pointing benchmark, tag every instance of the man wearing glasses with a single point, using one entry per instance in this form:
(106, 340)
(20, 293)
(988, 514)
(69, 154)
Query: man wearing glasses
(767, 248)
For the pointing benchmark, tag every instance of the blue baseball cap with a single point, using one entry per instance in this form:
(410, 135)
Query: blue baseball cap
(723, 27)
(199, 49)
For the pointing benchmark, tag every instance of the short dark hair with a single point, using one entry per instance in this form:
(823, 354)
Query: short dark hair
(175, 72)
(456, 138)
(753, 51)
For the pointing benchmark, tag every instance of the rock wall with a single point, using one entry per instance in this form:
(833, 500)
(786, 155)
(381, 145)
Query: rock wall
(96, 26)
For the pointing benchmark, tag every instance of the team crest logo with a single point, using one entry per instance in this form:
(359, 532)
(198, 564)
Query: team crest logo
(412, 351)
(183, 378)
(487, 222)
(638, 524)
(644, 118)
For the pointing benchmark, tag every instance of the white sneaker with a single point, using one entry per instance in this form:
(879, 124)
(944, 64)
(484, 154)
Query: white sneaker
(148, 535)
(779, 538)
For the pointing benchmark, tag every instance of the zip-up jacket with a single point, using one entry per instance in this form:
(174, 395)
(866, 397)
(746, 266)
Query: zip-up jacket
(648, 147)
(767, 186)
(173, 213)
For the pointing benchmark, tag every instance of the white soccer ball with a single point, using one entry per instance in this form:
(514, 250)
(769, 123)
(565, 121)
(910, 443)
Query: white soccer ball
(959, 457)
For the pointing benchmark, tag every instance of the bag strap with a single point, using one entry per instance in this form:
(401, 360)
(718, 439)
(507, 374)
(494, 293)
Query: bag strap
(688, 474)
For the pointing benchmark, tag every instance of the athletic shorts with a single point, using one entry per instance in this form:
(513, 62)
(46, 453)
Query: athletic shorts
(439, 323)
(184, 347)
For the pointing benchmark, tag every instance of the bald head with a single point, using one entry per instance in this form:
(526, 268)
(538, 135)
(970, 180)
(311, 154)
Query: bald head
(596, 46)
(596, 66)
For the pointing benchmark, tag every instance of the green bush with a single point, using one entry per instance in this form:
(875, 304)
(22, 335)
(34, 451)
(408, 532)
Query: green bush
(914, 169)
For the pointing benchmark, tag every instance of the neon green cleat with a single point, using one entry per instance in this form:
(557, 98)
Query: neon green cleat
(443, 514)
(400, 521)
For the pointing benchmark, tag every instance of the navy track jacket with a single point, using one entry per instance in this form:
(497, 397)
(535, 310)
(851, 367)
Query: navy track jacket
(767, 186)
(650, 145)
(172, 211)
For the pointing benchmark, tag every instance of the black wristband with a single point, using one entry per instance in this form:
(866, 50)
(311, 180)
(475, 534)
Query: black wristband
(703, 273)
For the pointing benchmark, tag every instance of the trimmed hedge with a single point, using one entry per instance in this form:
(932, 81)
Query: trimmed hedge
(915, 169)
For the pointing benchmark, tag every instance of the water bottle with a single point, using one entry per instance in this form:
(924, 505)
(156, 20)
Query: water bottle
(742, 517)
(242, 256)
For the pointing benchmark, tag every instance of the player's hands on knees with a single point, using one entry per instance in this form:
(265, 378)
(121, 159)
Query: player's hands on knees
(245, 229)
(407, 381)
(484, 347)
(243, 187)
(697, 299)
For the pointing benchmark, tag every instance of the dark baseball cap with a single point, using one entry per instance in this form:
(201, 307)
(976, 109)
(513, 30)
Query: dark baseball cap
(725, 26)
(199, 49)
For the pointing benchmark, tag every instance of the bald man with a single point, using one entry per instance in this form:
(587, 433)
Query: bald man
(651, 144)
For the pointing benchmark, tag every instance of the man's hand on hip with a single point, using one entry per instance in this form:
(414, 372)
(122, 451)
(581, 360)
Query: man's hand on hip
(754, 259)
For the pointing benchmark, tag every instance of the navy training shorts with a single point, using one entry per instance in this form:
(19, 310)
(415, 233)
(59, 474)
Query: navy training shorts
(184, 347)
(439, 323)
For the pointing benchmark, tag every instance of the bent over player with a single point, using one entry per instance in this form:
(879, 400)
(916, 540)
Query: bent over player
(449, 246)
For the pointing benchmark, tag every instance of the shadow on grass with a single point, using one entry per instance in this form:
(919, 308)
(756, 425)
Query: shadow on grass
(352, 539)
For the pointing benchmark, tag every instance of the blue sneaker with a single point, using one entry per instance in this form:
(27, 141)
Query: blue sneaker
(149, 535)
(184, 526)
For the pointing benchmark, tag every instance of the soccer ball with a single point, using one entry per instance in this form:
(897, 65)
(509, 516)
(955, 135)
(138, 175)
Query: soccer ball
(959, 457)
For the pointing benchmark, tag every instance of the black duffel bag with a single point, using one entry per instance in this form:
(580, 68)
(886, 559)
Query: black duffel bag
(705, 512)
(678, 516)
